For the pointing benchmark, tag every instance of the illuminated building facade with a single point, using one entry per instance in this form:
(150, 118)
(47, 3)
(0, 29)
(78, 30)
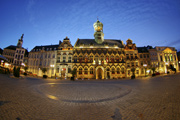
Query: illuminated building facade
(178, 56)
(16, 55)
(43, 57)
(99, 58)
(64, 59)
(163, 57)
(132, 62)
(144, 60)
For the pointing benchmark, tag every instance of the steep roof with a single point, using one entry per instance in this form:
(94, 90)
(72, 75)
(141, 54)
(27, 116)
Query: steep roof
(45, 47)
(88, 42)
(142, 49)
(12, 47)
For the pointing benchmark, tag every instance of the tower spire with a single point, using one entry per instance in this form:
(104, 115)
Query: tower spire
(20, 41)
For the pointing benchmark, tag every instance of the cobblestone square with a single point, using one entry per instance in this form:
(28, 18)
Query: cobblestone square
(30, 98)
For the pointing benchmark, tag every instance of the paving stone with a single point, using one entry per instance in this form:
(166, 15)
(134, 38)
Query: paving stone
(139, 99)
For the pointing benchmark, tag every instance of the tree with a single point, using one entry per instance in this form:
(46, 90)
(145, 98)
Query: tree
(25, 68)
(73, 74)
(16, 72)
(172, 68)
(44, 71)
(153, 69)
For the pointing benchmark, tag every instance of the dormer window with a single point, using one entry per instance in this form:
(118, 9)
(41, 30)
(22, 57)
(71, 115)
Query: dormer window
(106, 44)
(81, 44)
(115, 45)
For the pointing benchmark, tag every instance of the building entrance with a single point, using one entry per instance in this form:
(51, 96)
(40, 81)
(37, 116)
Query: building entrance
(63, 71)
(99, 73)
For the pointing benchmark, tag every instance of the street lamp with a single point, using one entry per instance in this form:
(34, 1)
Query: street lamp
(145, 65)
(52, 66)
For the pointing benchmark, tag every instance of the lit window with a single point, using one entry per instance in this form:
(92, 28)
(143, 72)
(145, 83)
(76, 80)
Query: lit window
(85, 71)
(113, 71)
(118, 71)
(91, 71)
(80, 71)
(122, 70)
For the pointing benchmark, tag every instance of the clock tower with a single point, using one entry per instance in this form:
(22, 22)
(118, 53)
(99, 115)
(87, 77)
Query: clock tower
(20, 42)
(98, 34)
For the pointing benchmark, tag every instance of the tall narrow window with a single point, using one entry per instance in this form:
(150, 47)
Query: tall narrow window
(118, 71)
(69, 59)
(113, 71)
(122, 70)
(85, 71)
(64, 59)
(75, 59)
(91, 70)
(161, 58)
(80, 71)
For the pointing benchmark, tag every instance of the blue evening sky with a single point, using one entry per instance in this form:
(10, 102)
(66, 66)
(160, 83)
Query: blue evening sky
(45, 22)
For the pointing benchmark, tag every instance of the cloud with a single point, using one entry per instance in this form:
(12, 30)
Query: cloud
(174, 43)
(30, 5)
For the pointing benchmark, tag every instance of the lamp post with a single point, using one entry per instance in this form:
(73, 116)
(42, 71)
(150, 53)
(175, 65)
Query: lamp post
(52, 66)
(145, 65)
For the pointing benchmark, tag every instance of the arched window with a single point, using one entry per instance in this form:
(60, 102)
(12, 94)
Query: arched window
(80, 71)
(117, 59)
(118, 71)
(113, 71)
(86, 71)
(91, 70)
(75, 59)
(112, 59)
(122, 70)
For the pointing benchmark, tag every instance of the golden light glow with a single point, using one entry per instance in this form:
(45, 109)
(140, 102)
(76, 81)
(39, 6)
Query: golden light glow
(168, 50)
(52, 97)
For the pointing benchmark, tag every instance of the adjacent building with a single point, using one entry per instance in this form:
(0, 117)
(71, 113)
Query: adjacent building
(64, 59)
(144, 60)
(16, 55)
(43, 57)
(163, 57)
(178, 56)
(132, 61)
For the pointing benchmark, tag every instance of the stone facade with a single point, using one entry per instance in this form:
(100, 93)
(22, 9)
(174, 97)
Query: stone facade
(43, 57)
(16, 55)
(163, 57)
(64, 59)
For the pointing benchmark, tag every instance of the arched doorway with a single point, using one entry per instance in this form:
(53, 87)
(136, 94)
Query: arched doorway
(63, 71)
(99, 73)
